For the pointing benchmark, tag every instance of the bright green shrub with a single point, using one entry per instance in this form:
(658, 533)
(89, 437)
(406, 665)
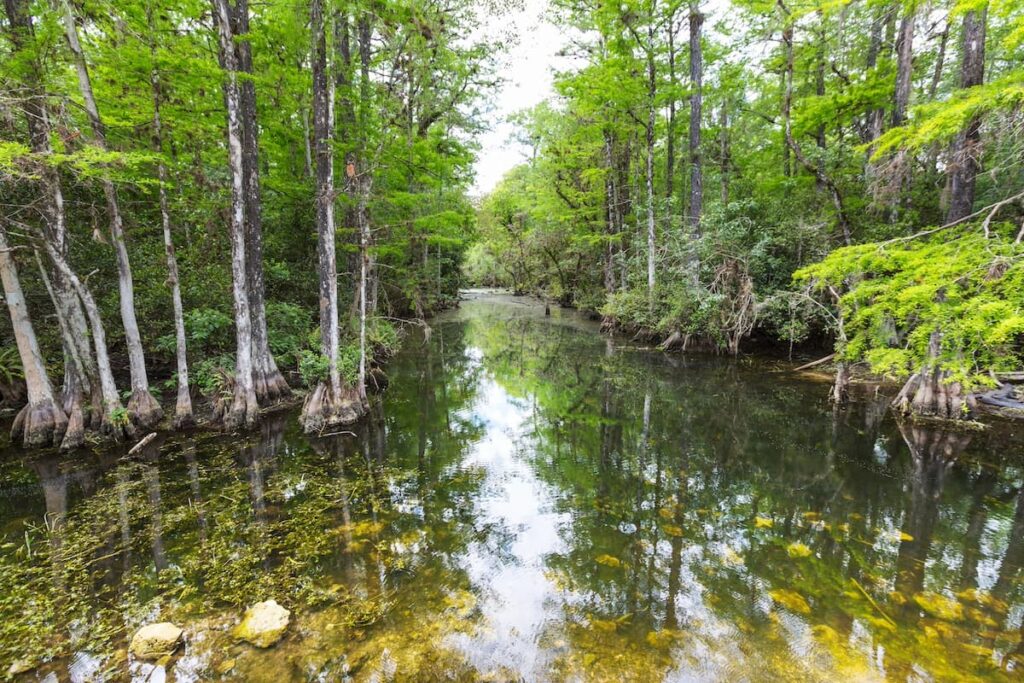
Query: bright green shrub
(894, 294)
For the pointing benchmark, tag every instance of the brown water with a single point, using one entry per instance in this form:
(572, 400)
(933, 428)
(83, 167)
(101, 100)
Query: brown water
(533, 501)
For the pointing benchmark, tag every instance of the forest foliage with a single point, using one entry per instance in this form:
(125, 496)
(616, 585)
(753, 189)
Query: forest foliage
(695, 156)
(118, 118)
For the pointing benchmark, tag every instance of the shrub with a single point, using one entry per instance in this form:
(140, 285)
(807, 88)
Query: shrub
(894, 295)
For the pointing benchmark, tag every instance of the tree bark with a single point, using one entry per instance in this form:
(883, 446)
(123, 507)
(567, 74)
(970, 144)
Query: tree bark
(143, 409)
(965, 164)
(41, 422)
(268, 381)
(904, 67)
(787, 94)
(183, 416)
(328, 404)
(80, 377)
(115, 422)
(724, 152)
(243, 410)
(670, 132)
(696, 208)
(611, 215)
(649, 177)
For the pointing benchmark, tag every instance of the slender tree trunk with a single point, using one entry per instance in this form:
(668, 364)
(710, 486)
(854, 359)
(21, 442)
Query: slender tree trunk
(819, 91)
(75, 373)
(115, 421)
(873, 127)
(142, 407)
(268, 381)
(670, 133)
(787, 96)
(904, 67)
(327, 404)
(364, 183)
(940, 62)
(966, 153)
(724, 151)
(649, 179)
(364, 268)
(696, 113)
(183, 416)
(244, 408)
(41, 422)
(611, 215)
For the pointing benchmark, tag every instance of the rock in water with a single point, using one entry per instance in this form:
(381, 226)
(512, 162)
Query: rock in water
(155, 640)
(20, 666)
(263, 624)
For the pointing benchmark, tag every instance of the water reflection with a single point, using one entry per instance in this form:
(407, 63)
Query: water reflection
(534, 501)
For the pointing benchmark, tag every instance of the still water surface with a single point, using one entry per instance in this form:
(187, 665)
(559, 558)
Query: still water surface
(533, 501)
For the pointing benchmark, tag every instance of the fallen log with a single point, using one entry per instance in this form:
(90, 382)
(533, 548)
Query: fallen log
(142, 443)
(815, 362)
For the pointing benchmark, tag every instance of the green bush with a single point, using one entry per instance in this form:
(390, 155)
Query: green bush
(208, 374)
(313, 367)
(894, 295)
(287, 329)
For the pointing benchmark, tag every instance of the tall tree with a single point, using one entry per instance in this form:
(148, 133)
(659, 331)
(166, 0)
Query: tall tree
(327, 404)
(696, 208)
(41, 422)
(904, 65)
(243, 408)
(142, 407)
(965, 162)
(270, 385)
(183, 416)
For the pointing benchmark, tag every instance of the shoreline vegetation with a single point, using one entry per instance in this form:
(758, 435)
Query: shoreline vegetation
(838, 176)
(201, 198)
(205, 198)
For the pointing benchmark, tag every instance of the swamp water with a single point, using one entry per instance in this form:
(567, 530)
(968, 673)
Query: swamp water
(533, 501)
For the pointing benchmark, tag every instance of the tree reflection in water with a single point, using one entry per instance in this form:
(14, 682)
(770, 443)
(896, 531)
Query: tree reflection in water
(532, 500)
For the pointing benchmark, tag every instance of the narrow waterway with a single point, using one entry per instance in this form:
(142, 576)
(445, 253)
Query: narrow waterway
(531, 500)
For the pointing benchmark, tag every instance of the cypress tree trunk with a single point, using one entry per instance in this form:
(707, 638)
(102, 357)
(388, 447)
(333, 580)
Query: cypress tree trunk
(74, 374)
(929, 392)
(904, 67)
(327, 404)
(364, 183)
(114, 421)
(966, 152)
(724, 151)
(268, 381)
(670, 130)
(243, 409)
(80, 377)
(696, 208)
(183, 416)
(142, 407)
(649, 176)
(41, 422)
(611, 215)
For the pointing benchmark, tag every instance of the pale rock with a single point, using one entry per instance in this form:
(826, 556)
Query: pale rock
(155, 640)
(263, 624)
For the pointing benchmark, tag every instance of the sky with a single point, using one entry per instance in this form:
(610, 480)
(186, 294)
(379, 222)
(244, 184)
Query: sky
(526, 69)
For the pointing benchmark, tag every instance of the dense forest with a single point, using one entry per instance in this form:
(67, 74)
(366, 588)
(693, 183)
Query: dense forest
(797, 173)
(218, 200)
(225, 202)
